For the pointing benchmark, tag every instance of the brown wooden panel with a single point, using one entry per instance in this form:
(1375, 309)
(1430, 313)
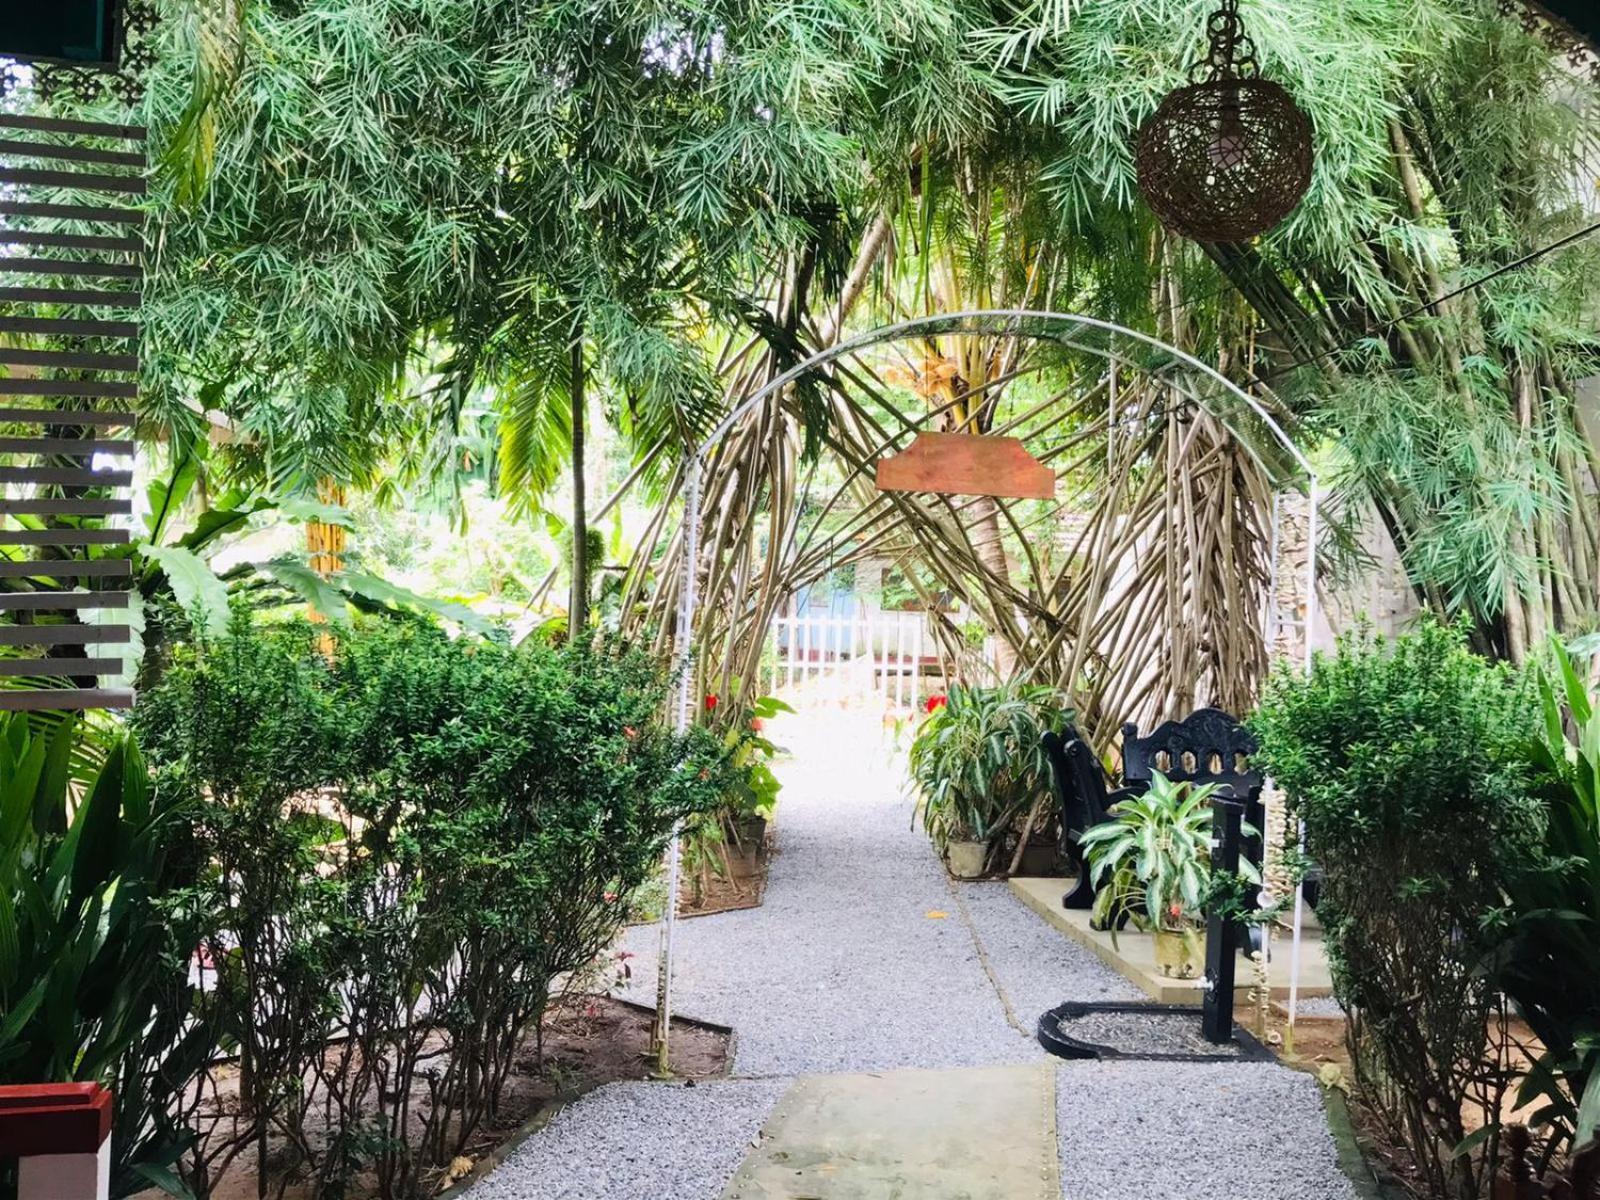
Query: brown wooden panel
(60, 601)
(68, 359)
(70, 153)
(59, 327)
(65, 537)
(64, 447)
(966, 464)
(64, 699)
(71, 266)
(66, 568)
(66, 476)
(42, 667)
(63, 635)
(69, 241)
(63, 416)
(86, 181)
(79, 296)
(66, 508)
(116, 389)
(72, 212)
(131, 133)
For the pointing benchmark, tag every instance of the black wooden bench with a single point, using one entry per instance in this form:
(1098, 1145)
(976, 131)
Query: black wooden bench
(1208, 746)
(1081, 795)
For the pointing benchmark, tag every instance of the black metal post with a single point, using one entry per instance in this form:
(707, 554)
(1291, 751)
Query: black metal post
(1222, 929)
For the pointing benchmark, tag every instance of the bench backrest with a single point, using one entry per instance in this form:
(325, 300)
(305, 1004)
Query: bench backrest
(1207, 746)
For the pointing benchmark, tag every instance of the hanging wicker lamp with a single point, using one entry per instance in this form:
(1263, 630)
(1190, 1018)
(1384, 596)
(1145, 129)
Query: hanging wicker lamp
(1228, 156)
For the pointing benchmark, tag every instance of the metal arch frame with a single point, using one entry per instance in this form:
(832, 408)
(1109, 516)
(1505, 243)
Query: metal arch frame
(995, 323)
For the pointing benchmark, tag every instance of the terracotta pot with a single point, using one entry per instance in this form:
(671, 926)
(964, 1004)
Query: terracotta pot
(1177, 954)
(966, 860)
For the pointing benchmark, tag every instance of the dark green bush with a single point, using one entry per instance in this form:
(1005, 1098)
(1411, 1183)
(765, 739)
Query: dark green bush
(414, 842)
(1405, 759)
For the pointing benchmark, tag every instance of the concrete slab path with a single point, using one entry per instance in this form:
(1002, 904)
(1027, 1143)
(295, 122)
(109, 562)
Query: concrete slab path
(975, 1133)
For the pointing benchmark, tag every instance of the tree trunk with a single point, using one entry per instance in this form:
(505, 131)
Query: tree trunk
(991, 551)
(578, 606)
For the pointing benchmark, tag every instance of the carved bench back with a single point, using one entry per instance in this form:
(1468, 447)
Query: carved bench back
(1207, 746)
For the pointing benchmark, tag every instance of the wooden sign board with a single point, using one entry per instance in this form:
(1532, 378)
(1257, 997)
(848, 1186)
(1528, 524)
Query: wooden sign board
(967, 464)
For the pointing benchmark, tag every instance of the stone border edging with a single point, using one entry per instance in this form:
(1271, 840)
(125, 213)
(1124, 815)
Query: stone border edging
(1369, 1184)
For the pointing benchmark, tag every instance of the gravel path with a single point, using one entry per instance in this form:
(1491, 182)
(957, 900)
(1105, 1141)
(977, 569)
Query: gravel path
(1180, 1131)
(842, 968)
(1036, 967)
(630, 1141)
(865, 958)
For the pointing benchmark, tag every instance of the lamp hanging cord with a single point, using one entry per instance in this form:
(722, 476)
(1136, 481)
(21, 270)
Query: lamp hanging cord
(1232, 54)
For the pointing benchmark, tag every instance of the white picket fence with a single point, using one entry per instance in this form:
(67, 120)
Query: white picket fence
(889, 654)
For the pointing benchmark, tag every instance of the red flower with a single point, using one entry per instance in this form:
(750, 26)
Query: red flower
(711, 703)
(757, 724)
(934, 703)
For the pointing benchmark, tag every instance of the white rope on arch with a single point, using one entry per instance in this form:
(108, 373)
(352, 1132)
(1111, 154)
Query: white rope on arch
(1067, 329)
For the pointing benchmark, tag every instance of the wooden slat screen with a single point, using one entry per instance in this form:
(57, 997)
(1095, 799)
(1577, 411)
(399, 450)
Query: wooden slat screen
(68, 377)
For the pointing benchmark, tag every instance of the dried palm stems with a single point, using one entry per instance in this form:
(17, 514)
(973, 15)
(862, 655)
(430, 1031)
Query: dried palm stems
(1142, 590)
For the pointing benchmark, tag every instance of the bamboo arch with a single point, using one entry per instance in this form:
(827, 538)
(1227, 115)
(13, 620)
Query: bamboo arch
(1170, 427)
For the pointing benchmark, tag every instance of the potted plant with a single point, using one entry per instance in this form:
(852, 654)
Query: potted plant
(1152, 862)
(754, 795)
(976, 764)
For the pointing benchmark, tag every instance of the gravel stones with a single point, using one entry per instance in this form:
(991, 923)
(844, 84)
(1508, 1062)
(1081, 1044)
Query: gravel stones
(859, 959)
(862, 960)
(624, 1141)
(1320, 1007)
(1036, 967)
(1146, 1033)
(1193, 1131)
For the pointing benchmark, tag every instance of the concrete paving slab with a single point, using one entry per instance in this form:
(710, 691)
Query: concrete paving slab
(984, 1133)
(1134, 955)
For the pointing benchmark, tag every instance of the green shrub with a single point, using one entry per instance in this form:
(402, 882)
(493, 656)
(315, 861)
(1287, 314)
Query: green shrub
(412, 842)
(95, 939)
(1551, 969)
(976, 761)
(1405, 760)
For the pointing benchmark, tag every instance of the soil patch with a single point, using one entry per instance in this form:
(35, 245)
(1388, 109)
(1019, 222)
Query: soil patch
(738, 881)
(588, 1041)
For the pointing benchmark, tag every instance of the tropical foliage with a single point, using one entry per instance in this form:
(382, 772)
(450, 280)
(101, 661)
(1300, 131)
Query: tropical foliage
(1152, 859)
(96, 933)
(1551, 970)
(977, 762)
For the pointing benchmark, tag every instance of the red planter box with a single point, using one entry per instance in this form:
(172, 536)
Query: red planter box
(53, 1118)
